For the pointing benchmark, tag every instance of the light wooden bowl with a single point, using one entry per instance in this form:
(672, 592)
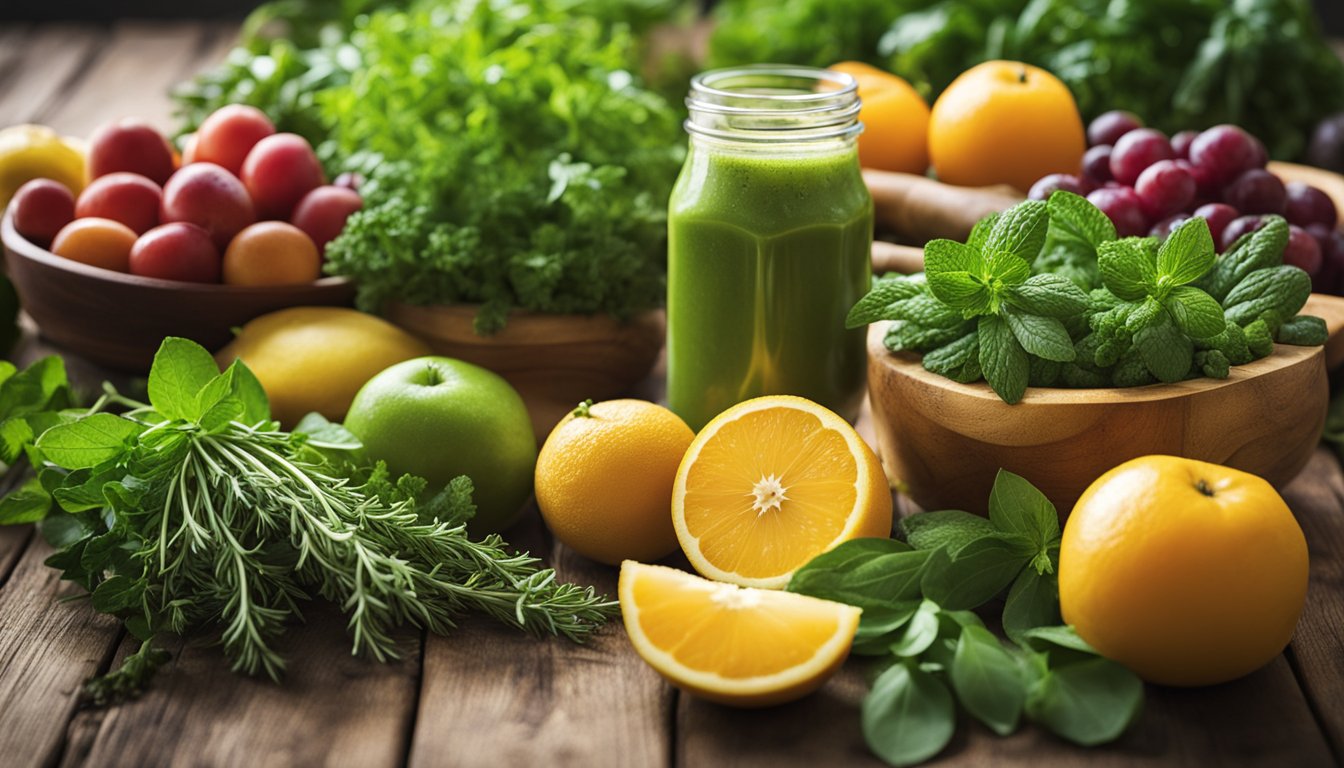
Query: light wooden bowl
(554, 361)
(118, 320)
(942, 442)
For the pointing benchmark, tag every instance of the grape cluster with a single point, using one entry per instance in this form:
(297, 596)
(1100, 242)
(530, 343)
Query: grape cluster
(1148, 184)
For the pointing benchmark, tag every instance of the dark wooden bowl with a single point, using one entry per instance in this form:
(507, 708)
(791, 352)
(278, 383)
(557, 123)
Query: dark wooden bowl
(118, 320)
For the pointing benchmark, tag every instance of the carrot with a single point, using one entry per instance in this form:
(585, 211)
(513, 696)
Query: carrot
(890, 257)
(920, 209)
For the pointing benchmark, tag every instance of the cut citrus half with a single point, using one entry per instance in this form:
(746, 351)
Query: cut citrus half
(733, 645)
(770, 484)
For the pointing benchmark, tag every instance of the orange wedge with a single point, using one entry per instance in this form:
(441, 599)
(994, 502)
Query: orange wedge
(770, 484)
(733, 645)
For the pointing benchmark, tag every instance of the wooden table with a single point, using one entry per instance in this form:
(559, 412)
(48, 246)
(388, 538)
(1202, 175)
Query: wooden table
(489, 696)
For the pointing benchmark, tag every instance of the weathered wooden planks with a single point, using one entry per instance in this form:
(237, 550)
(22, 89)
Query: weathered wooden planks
(40, 66)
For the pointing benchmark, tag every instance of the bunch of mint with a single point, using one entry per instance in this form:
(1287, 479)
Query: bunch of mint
(1045, 294)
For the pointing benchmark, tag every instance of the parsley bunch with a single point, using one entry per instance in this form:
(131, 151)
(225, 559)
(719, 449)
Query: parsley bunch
(917, 598)
(1045, 294)
(197, 510)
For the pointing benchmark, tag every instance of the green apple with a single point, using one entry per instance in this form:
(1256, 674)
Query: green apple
(438, 418)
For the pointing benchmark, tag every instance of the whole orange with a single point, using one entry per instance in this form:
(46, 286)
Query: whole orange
(895, 120)
(271, 253)
(604, 480)
(1005, 122)
(97, 242)
(1186, 572)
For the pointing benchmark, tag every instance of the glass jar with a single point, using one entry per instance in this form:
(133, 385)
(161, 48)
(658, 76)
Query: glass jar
(770, 230)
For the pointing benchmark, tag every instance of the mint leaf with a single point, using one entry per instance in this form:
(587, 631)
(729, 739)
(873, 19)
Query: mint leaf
(1088, 702)
(1259, 250)
(1048, 296)
(1017, 507)
(959, 360)
(1033, 601)
(980, 232)
(1128, 267)
(919, 633)
(1019, 231)
(1008, 268)
(950, 528)
(988, 681)
(977, 572)
(1283, 289)
(1303, 331)
(908, 716)
(87, 442)
(1002, 359)
(1144, 314)
(862, 572)
(1168, 353)
(1187, 254)
(1044, 337)
(1195, 312)
(1072, 217)
(885, 292)
(954, 272)
(181, 369)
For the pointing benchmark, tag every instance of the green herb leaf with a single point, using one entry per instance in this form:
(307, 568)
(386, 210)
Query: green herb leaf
(950, 528)
(326, 434)
(954, 273)
(1128, 267)
(87, 442)
(1044, 337)
(1002, 359)
(1195, 312)
(878, 627)
(1284, 290)
(1048, 295)
(1187, 253)
(1259, 250)
(1046, 637)
(40, 387)
(1019, 231)
(181, 369)
(1008, 268)
(1088, 702)
(980, 232)
(28, 503)
(1033, 601)
(237, 382)
(1017, 507)
(988, 681)
(1303, 330)
(1143, 314)
(885, 292)
(959, 360)
(1168, 353)
(908, 716)
(977, 573)
(118, 594)
(1073, 217)
(919, 633)
(862, 572)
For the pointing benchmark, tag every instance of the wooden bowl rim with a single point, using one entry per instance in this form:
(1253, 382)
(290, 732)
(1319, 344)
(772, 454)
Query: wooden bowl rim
(911, 365)
(26, 249)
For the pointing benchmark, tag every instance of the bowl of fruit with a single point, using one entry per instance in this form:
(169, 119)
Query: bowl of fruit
(154, 246)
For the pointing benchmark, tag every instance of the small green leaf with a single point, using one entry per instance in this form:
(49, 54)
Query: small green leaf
(1128, 267)
(977, 573)
(41, 386)
(959, 360)
(1009, 268)
(1072, 217)
(988, 681)
(947, 528)
(1168, 353)
(1044, 337)
(908, 716)
(879, 625)
(980, 232)
(1019, 231)
(1033, 601)
(1046, 637)
(1143, 314)
(118, 594)
(863, 572)
(919, 633)
(1048, 296)
(221, 414)
(1187, 254)
(954, 272)
(1002, 359)
(1303, 331)
(181, 369)
(63, 530)
(1195, 312)
(1087, 702)
(28, 503)
(87, 442)
(327, 434)
(1017, 507)
(885, 292)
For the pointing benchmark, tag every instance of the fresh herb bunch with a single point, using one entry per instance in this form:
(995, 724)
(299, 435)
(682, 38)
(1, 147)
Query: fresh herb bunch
(1044, 294)
(196, 509)
(917, 598)
(1262, 64)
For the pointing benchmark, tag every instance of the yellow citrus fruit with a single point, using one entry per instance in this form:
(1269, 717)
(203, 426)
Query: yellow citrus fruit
(895, 120)
(36, 152)
(604, 480)
(1005, 122)
(1186, 572)
(770, 484)
(317, 358)
(734, 645)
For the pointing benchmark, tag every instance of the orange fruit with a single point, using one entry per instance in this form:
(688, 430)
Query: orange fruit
(604, 479)
(733, 645)
(1186, 572)
(895, 120)
(97, 242)
(271, 253)
(770, 484)
(1005, 122)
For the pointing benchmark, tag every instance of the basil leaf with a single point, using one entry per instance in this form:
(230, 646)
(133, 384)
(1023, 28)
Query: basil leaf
(1168, 353)
(40, 387)
(1072, 217)
(919, 633)
(1088, 702)
(977, 573)
(181, 369)
(988, 681)
(1019, 231)
(908, 716)
(878, 625)
(862, 572)
(239, 383)
(1002, 359)
(1048, 296)
(1128, 267)
(1195, 312)
(1017, 507)
(950, 528)
(118, 594)
(87, 442)
(1032, 602)
(1046, 637)
(885, 292)
(1187, 254)
(28, 503)
(1044, 337)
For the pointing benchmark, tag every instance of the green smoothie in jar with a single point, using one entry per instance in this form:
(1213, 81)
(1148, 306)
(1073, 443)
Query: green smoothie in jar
(769, 232)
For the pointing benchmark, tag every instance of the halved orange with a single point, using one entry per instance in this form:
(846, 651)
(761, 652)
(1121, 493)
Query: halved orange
(770, 484)
(733, 645)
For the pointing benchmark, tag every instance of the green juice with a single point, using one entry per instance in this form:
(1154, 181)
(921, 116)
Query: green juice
(768, 250)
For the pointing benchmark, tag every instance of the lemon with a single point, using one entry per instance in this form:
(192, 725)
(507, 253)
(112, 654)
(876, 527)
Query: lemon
(30, 152)
(317, 358)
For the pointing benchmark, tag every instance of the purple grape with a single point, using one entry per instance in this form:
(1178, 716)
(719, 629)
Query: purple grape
(1164, 188)
(1219, 215)
(1097, 163)
(1330, 278)
(1137, 150)
(1261, 155)
(1121, 206)
(1309, 205)
(1302, 251)
(1256, 191)
(1163, 229)
(1108, 127)
(1237, 227)
(1223, 151)
(1046, 186)
(1204, 183)
(1180, 144)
